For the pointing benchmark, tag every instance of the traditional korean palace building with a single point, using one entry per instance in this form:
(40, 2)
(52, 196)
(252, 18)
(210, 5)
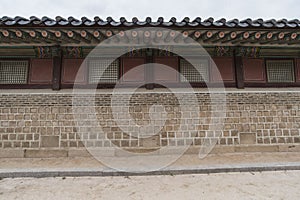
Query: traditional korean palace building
(40, 59)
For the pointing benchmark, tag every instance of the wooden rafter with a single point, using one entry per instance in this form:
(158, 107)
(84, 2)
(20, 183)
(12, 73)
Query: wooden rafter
(77, 36)
(94, 36)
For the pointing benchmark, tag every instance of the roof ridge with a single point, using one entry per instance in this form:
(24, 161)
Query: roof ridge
(186, 21)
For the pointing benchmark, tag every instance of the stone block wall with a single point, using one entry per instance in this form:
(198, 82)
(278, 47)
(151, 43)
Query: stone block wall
(45, 119)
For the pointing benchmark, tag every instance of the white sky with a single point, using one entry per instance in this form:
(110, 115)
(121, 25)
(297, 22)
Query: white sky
(217, 9)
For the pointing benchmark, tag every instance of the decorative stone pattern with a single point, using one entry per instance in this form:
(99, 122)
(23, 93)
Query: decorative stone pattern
(33, 120)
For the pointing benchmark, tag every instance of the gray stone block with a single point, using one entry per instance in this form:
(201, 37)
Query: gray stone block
(49, 141)
(11, 153)
(45, 153)
(248, 138)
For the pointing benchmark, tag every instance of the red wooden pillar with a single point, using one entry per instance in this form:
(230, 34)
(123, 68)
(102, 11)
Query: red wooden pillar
(149, 70)
(239, 69)
(57, 66)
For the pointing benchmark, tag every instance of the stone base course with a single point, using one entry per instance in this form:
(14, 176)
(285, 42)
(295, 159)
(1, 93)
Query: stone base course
(111, 152)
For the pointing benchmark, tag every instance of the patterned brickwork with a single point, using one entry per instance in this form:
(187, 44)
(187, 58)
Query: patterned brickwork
(47, 120)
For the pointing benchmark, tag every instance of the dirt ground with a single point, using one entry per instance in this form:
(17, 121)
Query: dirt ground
(258, 185)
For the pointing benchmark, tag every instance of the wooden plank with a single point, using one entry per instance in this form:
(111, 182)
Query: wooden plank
(166, 75)
(131, 73)
(41, 71)
(225, 66)
(74, 70)
(254, 70)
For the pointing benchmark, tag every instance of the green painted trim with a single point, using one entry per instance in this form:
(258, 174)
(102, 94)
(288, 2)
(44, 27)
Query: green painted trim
(17, 47)
(17, 56)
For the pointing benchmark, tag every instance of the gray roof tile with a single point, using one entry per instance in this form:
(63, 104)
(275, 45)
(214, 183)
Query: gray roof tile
(185, 22)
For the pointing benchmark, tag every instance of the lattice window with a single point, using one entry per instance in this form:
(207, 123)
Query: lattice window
(197, 73)
(103, 71)
(13, 72)
(280, 71)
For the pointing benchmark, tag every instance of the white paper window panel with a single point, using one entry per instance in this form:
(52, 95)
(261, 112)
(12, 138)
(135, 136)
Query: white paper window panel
(13, 72)
(280, 71)
(197, 73)
(102, 71)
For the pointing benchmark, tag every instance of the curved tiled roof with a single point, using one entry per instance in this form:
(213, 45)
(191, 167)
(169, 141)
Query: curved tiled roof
(173, 22)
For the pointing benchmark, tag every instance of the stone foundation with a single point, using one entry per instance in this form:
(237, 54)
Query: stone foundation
(45, 120)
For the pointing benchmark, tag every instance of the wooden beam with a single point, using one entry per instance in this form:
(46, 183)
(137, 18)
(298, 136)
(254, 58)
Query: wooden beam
(57, 67)
(239, 69)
